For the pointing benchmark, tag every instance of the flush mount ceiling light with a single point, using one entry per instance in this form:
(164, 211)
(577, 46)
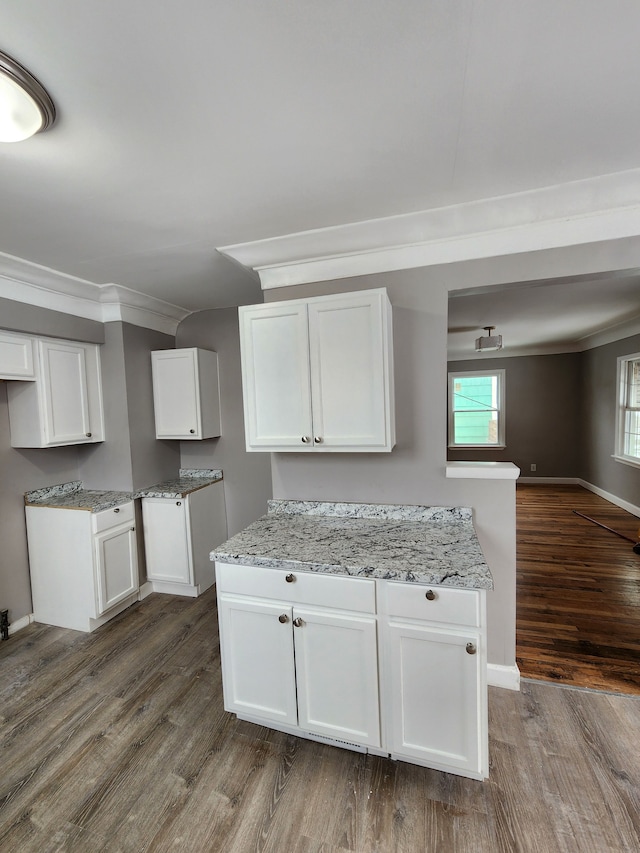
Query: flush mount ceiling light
(488, 342)
(25, 105)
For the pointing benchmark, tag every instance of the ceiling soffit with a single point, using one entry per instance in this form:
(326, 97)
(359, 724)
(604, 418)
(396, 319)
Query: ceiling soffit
(587, 211)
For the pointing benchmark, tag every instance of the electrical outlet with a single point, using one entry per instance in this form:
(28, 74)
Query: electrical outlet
(533, 466)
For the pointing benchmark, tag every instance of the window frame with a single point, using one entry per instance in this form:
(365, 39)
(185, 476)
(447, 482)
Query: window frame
(623, 369)
(500, 374)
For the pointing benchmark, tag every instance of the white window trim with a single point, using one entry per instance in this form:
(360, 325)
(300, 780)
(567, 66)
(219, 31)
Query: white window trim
(619, 454)
(501, 443)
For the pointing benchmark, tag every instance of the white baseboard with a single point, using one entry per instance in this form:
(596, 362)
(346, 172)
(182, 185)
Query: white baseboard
(20, 623)
(551, 481)
(499, 675)
(629, 507)
(145, 590)
(576, 481)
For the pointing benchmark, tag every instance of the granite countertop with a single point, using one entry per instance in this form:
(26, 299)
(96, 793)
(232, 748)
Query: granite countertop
(416, 544)
(188, 480)
(73, 496)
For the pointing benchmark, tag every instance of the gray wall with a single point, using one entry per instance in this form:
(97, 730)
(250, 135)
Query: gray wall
(600, 397)
(247, 476)
(537, 389)
(20, 317)
(414, 473)
(130, 456)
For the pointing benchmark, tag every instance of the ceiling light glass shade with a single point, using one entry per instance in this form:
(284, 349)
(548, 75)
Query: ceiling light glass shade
(25, 106)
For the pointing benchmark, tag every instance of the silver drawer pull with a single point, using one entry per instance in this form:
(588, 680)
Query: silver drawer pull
(117, 509)
(471, 649)
(430, 595)
(290, 578)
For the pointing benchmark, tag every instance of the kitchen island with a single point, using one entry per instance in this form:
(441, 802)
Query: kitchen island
(360, 625)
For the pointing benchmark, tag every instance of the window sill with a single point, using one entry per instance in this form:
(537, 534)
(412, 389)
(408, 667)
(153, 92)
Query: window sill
(476, 447)
(627, 460)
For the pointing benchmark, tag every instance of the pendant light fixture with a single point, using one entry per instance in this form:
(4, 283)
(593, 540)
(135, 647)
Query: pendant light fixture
(25, 105)
(488, 342)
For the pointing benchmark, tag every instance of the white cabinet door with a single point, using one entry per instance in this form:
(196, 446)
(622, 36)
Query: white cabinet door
(64, 390)
(337, 675)
(256, 646)
(349, 372)
(185, 393)
(167, 538)
(116, 566)
(438, 713)
(274, 343)
(16, 357)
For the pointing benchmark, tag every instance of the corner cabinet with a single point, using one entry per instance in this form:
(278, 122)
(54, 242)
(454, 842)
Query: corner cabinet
(83, 565)
(185, 393)
(63, 405)
(396, 669)
(317, 374)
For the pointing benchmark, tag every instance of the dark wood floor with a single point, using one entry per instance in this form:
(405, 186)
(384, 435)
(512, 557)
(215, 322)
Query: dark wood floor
(118, 742)
(578, 590)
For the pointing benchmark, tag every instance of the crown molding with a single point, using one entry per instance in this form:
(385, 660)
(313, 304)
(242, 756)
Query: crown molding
(587, 211)
(24, 281)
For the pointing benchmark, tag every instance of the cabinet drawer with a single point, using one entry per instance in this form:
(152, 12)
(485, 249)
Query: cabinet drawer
(340, 591)
(112, 517)
(453, 606)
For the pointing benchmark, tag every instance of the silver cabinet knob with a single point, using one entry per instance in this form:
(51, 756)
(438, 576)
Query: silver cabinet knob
(430, 595)
(290, 578)
(133, 529)
(88, 434)
(283, 618)
(117, 509)
(192, 431)
(178, 503)
(471, 649)
(298, 622)
(305, 439)
(318, 439)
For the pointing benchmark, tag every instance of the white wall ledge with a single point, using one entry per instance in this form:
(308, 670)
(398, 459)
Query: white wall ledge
(482, 470)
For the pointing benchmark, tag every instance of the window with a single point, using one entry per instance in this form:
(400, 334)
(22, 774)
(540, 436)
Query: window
(476, 409)
(628, 414)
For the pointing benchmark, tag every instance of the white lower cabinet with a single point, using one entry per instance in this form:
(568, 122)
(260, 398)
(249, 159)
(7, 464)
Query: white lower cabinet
(83, 565)
(179, 534)
(435, 664)
(299, 667)
(396, 668)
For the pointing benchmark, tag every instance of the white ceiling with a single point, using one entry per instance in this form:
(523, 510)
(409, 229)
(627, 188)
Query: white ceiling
(186, 126)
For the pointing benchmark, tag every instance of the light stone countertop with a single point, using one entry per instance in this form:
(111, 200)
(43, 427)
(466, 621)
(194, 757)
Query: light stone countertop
(415, 544)
(73, 496)
(189, 480)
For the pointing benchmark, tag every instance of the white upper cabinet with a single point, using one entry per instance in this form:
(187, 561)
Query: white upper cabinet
(318, 374)
(64, 403)
(186, 397)
(16, 356)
